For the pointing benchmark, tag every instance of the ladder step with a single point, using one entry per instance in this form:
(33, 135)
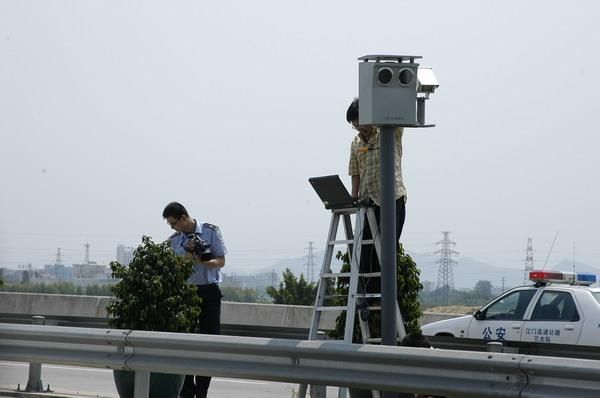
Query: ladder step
(348, 274)
(331, 308)
(335, 274)
(331, 296)
(340, 242)
(367, 295)
(373, 340)
(370, 274)
(349, 241)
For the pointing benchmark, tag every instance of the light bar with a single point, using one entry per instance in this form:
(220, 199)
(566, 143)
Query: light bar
(583, 279)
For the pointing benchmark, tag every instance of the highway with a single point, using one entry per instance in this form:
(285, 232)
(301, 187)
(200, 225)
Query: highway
(93, 382)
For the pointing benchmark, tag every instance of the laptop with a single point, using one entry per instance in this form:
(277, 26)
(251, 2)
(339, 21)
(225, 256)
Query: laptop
(332, 192)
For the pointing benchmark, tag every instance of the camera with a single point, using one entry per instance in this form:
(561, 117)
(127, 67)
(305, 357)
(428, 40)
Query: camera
(199, 247)
(393, 90)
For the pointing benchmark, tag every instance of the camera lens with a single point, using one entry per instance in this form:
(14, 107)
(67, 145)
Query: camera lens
(384, 76)
(406, 76)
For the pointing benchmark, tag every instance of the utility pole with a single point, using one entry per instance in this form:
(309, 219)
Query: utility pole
(310, 263)
(58, 257)
(445, 282)
(528, 260)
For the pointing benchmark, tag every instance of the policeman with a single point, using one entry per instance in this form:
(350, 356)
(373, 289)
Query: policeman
(203, 244)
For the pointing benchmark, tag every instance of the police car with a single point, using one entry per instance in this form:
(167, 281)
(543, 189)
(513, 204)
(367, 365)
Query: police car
(560, 308)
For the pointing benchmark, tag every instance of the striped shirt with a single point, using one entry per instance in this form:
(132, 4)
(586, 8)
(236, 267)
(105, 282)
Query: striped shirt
(365, 161)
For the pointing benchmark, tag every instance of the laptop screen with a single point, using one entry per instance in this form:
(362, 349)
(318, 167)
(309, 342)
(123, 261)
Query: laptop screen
(332, 191)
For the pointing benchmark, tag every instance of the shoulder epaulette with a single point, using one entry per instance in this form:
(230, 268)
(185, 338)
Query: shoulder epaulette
(172, 236)
(210, 226)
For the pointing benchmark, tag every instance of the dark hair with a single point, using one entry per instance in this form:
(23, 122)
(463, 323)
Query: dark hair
(175, 210)
(352, 112)
(415, 340)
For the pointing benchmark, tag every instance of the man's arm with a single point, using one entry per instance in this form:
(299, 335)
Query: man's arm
(355, 185)
(354, 172)
(217, 262)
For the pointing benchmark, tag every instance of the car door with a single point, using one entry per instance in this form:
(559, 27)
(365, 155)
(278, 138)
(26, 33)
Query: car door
(555, 319)
(502, 319)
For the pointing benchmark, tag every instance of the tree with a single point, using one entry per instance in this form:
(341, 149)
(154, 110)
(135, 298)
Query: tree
(293, 291)
(408, 286)
(25, 278)
(483, 289)
(152, 293)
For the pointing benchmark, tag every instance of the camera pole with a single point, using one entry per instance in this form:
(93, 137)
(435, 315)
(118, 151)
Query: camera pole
(388, 236)
(392, 91)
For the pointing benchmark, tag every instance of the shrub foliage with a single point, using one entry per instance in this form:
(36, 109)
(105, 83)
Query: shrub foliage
(408, 286)
(152, 292)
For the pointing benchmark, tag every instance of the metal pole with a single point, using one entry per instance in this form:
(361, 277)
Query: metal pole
(388, 239)
(141, 386)
(34, 382)
(388, 236)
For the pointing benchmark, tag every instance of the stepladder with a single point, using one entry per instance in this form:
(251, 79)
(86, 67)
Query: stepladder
(357, 297)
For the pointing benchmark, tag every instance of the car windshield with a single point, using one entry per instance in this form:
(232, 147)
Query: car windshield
(596, 296)
(510, 306)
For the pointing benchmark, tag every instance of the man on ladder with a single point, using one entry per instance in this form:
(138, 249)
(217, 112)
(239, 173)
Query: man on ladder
(365, 171)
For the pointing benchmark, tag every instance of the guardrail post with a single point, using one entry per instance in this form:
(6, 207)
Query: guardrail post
(317, 391)
(34, 383)
(494, 346)
(141, 387)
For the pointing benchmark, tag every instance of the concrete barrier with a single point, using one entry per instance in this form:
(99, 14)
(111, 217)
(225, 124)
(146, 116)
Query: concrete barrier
(235, 314)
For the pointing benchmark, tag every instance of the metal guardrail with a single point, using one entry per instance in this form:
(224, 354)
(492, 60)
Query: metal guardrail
(526, 348)
(405, 369)
(226, 329)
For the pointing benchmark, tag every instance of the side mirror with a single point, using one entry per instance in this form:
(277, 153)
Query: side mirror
(478, 315)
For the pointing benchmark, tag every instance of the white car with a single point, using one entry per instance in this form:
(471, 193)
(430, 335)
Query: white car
(560, 308)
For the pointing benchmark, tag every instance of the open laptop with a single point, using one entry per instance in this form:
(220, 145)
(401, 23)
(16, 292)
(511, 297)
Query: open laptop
(332, 192)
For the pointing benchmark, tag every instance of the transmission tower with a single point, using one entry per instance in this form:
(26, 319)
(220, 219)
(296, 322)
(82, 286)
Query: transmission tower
(58, 257)
(310, 263)
(528, 260)
(445, 281)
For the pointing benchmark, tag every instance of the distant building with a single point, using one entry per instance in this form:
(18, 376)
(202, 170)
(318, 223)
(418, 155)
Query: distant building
(257, 281)
(91, 270)
(124, 254)
(57, 272)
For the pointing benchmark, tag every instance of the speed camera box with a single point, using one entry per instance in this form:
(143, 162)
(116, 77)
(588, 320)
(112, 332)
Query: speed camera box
(387, 91)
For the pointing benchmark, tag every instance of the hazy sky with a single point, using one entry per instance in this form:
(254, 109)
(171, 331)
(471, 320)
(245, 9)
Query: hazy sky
(111, 109)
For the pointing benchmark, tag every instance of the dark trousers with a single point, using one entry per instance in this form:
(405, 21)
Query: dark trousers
(209, 322)
(368, 256)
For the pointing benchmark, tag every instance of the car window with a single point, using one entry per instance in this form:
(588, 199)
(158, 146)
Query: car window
(511, 306)
(555, 306)
(596, 296)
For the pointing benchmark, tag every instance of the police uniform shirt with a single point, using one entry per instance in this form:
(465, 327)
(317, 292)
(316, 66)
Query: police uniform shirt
(211, 234)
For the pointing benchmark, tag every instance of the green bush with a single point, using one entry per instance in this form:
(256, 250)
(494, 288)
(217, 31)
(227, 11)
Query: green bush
(152, 292)
(293, 291)
(408, 288)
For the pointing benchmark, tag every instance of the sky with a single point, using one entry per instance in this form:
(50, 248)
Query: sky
(109, 110)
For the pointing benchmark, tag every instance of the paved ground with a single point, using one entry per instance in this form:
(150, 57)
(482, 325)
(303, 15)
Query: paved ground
(71, 382)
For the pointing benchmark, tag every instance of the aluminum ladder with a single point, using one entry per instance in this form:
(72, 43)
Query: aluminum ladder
(355, 300)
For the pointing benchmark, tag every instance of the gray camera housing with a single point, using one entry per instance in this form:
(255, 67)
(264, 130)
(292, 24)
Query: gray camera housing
(389, 88)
